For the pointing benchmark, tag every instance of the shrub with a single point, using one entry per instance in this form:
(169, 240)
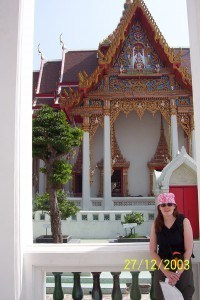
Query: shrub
(134, 217)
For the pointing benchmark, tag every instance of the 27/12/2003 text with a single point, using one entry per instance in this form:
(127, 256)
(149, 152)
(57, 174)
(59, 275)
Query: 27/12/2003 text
(131, 264)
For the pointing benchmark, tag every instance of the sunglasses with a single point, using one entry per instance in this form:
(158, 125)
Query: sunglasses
(166, 204)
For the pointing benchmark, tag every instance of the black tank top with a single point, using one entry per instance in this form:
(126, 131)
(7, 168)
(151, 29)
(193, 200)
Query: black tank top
(170, 239)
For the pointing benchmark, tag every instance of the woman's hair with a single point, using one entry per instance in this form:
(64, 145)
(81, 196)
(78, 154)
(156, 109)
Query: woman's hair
(159, 221)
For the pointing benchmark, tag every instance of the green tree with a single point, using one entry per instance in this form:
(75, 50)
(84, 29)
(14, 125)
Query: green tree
(66, 207)
(53, 139)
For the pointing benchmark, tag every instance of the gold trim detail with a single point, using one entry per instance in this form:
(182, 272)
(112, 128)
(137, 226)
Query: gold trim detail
(173, 108)
(140, 106)
(86, 123)
(69, 98)
(184, 121)
(192, 122)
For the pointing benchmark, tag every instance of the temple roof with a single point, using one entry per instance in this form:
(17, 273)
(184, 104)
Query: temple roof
(83, 70)
(185, 58)
(35, 80)
(50, 77)
(76, 61)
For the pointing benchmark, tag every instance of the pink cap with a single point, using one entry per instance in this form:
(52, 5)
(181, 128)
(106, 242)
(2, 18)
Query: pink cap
(166, 198)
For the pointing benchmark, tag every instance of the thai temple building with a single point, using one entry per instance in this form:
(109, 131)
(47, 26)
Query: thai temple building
(133, 98)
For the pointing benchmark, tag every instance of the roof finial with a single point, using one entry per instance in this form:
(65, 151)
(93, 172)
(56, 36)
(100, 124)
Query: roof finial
(127, 4)
(40, 52)
(61, 42)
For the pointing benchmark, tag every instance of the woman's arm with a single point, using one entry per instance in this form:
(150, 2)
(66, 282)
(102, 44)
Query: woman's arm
(188, 243)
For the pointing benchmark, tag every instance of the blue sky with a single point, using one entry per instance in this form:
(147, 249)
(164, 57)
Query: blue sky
(85, 23)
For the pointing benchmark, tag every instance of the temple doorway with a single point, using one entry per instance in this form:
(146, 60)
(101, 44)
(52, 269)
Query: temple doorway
(77, 188)
(116, 183)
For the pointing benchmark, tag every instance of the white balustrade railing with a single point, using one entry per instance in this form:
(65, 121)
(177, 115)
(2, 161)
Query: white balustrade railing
(118, 201)
(39, 259)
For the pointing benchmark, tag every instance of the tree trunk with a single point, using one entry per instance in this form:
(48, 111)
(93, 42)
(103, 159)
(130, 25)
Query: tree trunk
(55, 217)
(55, 213)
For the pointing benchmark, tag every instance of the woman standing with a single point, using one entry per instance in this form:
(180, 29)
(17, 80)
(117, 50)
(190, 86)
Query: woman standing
(171, 234)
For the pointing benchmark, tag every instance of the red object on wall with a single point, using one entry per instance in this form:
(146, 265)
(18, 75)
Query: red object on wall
(187, 201)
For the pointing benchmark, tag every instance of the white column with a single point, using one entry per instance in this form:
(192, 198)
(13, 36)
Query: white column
(107, 165)
(86, 166)
(16, 35)
(193, 7)
(174, 130)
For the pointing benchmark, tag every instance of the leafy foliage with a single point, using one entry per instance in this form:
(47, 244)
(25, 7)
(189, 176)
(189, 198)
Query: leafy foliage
(52, 135)
(61, 172)
(66, 207)
(53, 139)
(134, 217)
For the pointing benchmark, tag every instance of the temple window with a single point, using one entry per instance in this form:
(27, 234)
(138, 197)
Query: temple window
(106, 217)
(95, 217)
(118, 217)
(84, 217)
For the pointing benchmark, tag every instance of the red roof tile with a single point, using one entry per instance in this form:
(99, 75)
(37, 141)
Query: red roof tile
(50, 77)
(186, 58)
(44, 101)
(35, 81)
(76, 61)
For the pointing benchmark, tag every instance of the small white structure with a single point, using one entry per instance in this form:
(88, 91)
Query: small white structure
(182, 170)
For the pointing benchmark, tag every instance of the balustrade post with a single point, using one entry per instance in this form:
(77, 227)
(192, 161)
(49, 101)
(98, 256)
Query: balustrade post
(58, 292)
(116, 292)
(77, 292)
(152, 296)
(96, 290)
(135, 291)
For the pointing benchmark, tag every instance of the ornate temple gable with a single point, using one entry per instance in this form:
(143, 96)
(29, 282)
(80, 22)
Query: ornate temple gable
(137, 53)
(131, 47)
(138, 13)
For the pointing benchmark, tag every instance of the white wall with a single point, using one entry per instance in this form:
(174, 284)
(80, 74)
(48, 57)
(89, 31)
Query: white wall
(91, 229)
(182, 139)
(183, 176)
(142, 137)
